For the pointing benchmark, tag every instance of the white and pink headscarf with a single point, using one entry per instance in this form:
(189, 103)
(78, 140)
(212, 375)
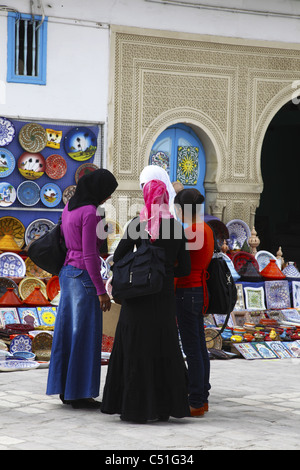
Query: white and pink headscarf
(156, 207)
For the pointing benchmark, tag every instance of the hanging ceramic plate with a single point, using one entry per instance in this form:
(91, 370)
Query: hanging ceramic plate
(28, 284)
(12, 265)
(14, 227)
(56, 166)
(28, 193)
(33, 270)
(7, 163)
(263, 259)
(37, 228)
(51, 195)
(80, 143)
(5, 283)
(241, 257)
(20, 343)
(33, 137)
(11, 365)
(7, 131)
(31, 165)
(239, 232)
(68, 193)
(53, 287)
(7, 194)
(84, 169)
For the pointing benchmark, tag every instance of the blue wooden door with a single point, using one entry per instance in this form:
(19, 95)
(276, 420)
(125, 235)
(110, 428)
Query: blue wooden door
(180, 152)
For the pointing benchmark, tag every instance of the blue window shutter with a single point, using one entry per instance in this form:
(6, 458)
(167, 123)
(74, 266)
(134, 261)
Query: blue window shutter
(13, 75)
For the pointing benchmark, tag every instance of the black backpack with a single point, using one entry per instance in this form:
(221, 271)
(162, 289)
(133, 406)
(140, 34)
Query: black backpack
(49, 251)
(139, 273)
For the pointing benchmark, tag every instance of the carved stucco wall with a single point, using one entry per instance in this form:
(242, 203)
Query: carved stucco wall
(227, 90)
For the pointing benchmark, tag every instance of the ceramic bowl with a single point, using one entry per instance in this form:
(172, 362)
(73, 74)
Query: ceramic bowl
(24, 355)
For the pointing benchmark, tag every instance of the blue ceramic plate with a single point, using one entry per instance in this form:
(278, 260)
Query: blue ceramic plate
(12, 265)
(17, 364)
(7, 131)
(7, 163)
(51, 195)
(80, 143)
(28, 193)
(7, 194)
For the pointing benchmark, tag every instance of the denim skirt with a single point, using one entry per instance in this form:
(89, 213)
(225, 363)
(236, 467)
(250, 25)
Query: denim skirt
(75, 362)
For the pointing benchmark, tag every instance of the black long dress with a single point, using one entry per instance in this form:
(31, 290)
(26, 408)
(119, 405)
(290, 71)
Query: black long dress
(147, 376)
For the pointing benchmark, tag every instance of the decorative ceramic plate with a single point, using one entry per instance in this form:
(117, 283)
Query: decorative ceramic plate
(31, 165)
(212, 338)
(241, 257)
(28, 193)
(12, 226)
(263, 259)
(34, 271)
(277, 294)
(85, 169)
(7, 194)
(28, 284)
(255, 298)
(51, 195)
(20, 343)
(11, 365)
(7, 131)
(239, 232)
(7, 163)
(68, 193)
(33, 137)
(12, 265)
(42, 341)
(53, 287)
(56, 166)
(5, 283)
(37, 228)
(80, 143)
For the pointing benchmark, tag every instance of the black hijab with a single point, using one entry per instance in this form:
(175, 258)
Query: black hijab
(92, 189)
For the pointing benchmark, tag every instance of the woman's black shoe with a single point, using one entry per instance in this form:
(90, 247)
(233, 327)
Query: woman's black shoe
(85, 403)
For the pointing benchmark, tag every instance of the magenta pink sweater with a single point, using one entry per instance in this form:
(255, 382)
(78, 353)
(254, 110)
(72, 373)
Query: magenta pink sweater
(79, 230)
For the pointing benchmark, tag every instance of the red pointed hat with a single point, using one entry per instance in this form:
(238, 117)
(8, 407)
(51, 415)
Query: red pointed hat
(10, 298)
(36, 298)
(272, 271)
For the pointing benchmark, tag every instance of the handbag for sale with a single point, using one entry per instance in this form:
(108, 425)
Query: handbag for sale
(49, 251)
(139, 273)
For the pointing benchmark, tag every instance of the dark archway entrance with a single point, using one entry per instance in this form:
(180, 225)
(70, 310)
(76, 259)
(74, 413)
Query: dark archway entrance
(277, 220)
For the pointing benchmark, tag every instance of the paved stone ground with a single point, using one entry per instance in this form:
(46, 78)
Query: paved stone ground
(253, 405)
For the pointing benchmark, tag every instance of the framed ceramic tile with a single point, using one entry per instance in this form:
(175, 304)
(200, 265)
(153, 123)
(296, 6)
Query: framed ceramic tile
(291, 314)
(277, 294)
(293, 347)
(255, 298)
(9, 315)
(220, 319)
(264, 350)
(240, 303)
(256, 316)
(276, 315)
(296, 293)
(247, 351)
(47, 315)
(239, 317)
(28, 316)
(279, 349)
(209, 320)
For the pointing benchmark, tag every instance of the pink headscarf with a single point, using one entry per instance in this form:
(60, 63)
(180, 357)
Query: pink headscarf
(156, 207)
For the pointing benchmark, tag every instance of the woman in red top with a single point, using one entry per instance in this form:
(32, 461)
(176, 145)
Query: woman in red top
(192, 298)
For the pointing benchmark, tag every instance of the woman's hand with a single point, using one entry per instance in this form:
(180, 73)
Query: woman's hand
(105, 302)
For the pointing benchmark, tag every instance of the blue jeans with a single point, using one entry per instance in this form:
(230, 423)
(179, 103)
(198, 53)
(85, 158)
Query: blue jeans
(189, 303)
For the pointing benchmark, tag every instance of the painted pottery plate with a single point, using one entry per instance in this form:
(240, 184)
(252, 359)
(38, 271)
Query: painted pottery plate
(53, 287)
(51, 195)
(42, 342)
(68, 193)
(12, 265)
(80, 143)
(34, 271)
(241, 257)
(28, 193)
(7, 163)
(239, 232)
(7, 194)
(33, 137)
(263, 258)
(85, 169)
(31, 165)
(11, 365)
(277, 294)
(5, 283)
(20, 343)
(213, 339)
(12, 226)
(28, 284)
(56, 166)
(7, 131)
(37, 228)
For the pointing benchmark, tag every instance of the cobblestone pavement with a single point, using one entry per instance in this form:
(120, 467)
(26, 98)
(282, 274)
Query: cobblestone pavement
(253, 405)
